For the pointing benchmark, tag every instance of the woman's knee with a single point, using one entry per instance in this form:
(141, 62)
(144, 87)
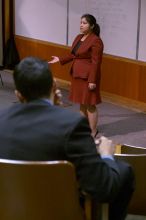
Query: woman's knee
(91, 108)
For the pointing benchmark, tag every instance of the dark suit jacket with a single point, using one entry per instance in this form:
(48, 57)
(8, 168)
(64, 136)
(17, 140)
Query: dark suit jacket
(40, 131)
(87, 59)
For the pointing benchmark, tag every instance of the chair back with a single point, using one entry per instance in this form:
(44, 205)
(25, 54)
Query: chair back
(130, 149)
(138, 162)
(38, 191)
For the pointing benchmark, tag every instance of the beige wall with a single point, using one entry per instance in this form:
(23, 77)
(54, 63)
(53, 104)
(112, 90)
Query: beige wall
(1, 55)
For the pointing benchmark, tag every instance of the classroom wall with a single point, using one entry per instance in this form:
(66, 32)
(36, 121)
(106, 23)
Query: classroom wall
(118, 21)
(45, 20)
(58, 21)
(142, 31)
(122, 77)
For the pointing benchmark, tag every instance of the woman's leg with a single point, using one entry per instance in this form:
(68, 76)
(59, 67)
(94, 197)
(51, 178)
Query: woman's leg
(83, 110)
(92, 118)
(90, 111)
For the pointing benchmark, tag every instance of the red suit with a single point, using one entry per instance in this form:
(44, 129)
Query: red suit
(86, 57)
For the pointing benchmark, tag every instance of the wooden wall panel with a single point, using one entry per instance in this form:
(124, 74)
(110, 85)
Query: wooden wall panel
(142, 82)
(121, 77)
(44, 50)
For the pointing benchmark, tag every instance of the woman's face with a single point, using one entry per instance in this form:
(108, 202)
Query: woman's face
(85, 27)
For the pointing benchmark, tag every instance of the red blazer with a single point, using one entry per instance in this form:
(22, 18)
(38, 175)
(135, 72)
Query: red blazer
(87, 59)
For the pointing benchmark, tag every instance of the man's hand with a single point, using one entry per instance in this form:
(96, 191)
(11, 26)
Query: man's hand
(105, 147)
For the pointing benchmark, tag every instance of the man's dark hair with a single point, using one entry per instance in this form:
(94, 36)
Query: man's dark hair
(33, 78)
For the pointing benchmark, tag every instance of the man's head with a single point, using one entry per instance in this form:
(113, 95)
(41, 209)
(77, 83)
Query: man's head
(33, 79)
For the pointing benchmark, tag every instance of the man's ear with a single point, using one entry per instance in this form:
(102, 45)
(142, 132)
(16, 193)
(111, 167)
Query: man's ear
(19, 96)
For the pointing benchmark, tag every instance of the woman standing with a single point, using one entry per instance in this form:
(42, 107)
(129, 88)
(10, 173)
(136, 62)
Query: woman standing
(86, 56)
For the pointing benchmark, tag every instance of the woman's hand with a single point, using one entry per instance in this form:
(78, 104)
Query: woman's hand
(54, 60)
(91, 86)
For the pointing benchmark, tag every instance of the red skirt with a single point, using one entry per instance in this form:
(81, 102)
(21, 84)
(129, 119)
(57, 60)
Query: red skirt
(80, 93)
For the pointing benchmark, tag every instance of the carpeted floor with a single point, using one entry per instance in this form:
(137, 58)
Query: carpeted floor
(120, 124)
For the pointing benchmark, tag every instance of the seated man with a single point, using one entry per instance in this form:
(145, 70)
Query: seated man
(35, 129)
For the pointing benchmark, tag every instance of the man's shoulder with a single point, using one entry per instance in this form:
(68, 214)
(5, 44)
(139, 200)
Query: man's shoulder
(7, 111)
(46, 110)
(67, 112)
